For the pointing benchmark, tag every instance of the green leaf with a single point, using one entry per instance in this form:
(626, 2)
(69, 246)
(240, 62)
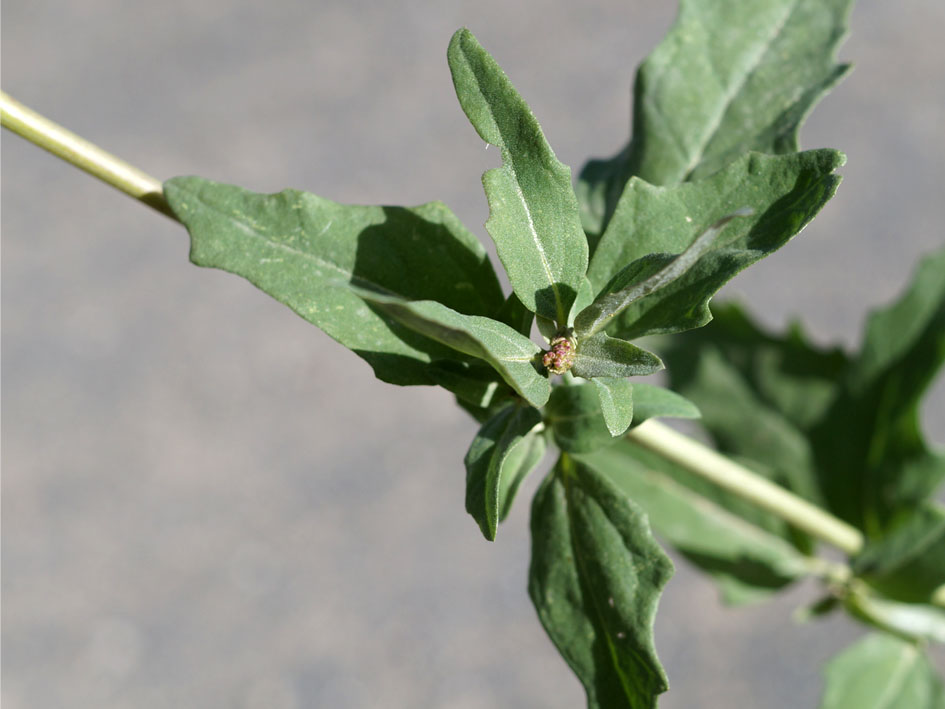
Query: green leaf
(908, 562)
(875, 463)
(659, 402)
(748, 561)
(576, 419)
(595, 579)
(500, 456)
(784, 194)
(523, 459)
(516, 315)
(547, 328)
(616, 403)
(476, 384)
(584, 298)
(296, 246)
(843, 433)
(533, 215)
(598, 189)
(724, 81)
(643, 277)
(509, 352)
(603, 356)
(784, 375)
(882, 672)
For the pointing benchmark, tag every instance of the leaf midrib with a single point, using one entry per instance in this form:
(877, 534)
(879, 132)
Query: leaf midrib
(897, 677)
(594, 603)
(252, 231)
(509, 164)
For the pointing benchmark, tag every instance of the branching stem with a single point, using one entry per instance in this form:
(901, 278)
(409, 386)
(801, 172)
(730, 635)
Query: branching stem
(653, 435)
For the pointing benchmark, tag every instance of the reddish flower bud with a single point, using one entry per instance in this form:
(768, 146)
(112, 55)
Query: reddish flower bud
(560, 357)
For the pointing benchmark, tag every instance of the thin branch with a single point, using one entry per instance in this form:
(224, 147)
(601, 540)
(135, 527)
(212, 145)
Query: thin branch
(84, 155)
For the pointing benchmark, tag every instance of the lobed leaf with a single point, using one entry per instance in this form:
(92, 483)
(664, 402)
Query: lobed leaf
(296, 247)
(783, 192)
(509, 352)
(724, 81)
(639, 280)
(875, 463)
(595, 579)
(503, 452)
(882, 672)
(533, 213)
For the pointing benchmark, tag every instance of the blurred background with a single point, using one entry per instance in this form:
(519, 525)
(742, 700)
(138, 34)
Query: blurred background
(207, 502)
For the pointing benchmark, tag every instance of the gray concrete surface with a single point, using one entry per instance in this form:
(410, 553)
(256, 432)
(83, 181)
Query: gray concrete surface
(207, 503)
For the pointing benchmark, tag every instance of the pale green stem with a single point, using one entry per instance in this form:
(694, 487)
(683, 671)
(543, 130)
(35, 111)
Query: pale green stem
(731, 476)
(655, 436)
(84, 155)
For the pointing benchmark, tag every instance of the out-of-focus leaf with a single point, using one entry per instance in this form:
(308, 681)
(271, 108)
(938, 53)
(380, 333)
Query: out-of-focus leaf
(603, 356)
(296, 247)
(759, 394)
(477, 384)
(616, 403)
(843, 433)
(509, 352)
(533, 212)
(654, 402)
(818, 609)
(749, 562)
(783, 192)
(741, 422)
(874, 462)
(595, 578)
(908, 562)
(882, 672)
(494, 463)
(786, 373)
(721, 83)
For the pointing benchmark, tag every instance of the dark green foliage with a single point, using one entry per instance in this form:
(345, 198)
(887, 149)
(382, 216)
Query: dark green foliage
(711, 182)
(595, 579)
(505, 450)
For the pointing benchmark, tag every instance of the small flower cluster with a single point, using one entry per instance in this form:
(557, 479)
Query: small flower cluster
(560, 357)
